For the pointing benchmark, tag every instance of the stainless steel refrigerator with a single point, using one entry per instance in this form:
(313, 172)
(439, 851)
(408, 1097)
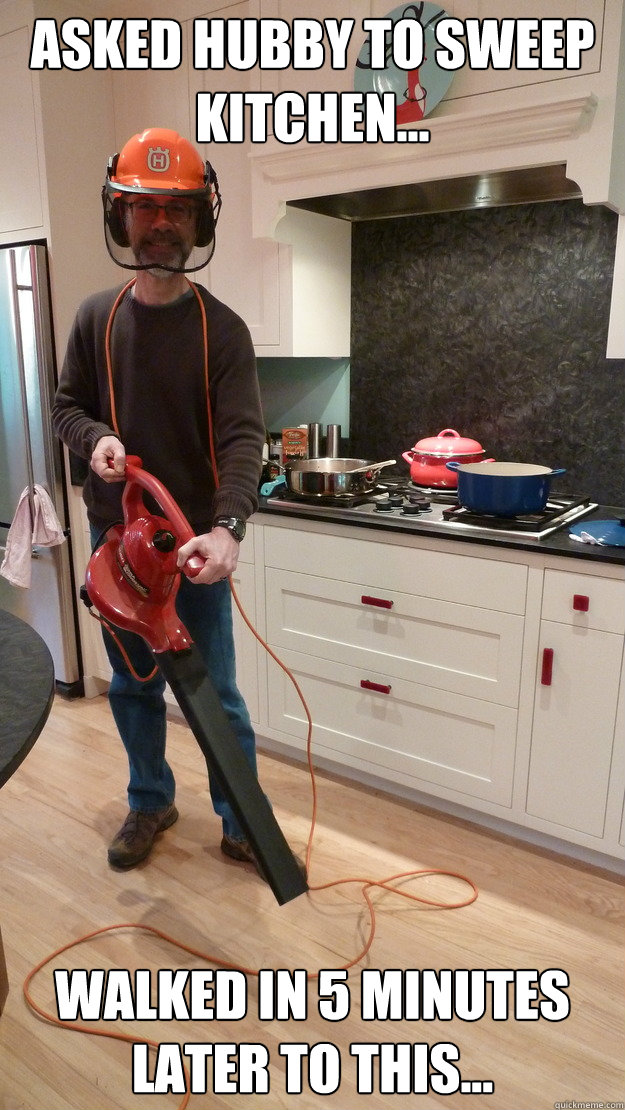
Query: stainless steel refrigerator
(30, 454)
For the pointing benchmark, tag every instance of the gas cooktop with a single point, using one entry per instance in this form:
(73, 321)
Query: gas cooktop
(402, 504)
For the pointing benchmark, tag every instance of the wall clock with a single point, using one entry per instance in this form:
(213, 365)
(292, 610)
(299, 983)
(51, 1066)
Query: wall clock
(418, 91)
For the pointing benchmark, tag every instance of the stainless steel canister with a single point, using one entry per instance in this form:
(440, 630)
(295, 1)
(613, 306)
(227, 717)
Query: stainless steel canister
(314, 441)
(333, 442)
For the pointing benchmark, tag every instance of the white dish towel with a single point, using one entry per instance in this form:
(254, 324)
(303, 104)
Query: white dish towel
(44, 531)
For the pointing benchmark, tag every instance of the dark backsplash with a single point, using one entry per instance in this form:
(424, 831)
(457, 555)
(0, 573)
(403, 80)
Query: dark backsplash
(493, 322)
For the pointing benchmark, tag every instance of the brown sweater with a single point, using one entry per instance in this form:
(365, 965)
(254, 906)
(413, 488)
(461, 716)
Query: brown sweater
(160, 399)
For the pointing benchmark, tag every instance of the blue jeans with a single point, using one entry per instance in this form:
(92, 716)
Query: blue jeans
(139, 708)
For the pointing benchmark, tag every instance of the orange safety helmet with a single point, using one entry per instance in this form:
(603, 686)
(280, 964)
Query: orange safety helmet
(160, 161)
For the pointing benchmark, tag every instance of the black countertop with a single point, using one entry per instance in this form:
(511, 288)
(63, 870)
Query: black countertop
(557, 543)
(26, 691)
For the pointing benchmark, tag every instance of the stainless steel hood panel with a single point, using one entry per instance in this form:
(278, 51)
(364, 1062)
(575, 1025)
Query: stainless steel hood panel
(492, 190)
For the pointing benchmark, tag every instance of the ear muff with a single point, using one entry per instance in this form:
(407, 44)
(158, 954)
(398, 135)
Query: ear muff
(113, 214)
(115, 219)
(205, 225)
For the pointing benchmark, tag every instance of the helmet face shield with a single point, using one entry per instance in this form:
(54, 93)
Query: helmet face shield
(161, 204)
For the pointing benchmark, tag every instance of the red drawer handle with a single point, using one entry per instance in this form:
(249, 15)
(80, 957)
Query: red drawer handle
(581, 602)
(380, 602)
(547, 668)
(377, 686)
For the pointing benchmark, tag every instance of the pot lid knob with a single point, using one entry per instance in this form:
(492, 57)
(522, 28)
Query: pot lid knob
(448, 442)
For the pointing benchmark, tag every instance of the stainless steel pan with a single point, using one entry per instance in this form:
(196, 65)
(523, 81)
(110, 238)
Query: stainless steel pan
(333, 477)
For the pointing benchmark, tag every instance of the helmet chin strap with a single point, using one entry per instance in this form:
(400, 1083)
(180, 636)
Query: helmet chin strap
(160, 271)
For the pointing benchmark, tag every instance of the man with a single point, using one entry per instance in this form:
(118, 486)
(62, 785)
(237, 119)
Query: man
(135, 380)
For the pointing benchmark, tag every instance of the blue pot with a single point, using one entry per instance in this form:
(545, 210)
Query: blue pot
(504, 488)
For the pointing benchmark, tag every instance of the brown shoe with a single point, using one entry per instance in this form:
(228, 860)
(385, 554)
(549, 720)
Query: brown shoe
(241, 850)
(135, 838)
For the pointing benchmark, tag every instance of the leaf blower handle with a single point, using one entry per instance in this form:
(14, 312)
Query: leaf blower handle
(193, 566)
(140, 477)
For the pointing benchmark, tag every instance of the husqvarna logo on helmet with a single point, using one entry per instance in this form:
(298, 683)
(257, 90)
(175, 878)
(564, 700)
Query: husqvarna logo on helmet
(158, 159)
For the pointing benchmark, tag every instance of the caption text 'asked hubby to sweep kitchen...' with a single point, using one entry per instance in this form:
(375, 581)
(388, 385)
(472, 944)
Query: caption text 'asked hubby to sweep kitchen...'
(308, 44)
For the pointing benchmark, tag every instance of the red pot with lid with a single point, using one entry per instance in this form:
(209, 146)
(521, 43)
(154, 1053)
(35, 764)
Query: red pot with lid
(428, 458)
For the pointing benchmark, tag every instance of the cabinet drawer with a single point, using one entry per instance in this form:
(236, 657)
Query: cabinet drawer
(453, 647)
(410, 734)
(485, 583)
(584, 600)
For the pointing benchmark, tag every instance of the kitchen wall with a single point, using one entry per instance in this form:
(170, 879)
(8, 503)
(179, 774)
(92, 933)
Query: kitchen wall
(300, 390)
(493, 322)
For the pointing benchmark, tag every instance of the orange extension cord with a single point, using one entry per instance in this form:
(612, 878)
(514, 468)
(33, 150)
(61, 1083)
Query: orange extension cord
(368, 884)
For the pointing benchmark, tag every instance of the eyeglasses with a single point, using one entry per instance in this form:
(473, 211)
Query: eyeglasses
(176, 211)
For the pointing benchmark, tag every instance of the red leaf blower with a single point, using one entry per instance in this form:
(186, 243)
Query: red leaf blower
(132, 579)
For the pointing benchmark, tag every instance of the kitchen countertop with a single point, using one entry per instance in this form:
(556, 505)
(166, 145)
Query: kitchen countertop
(557, 543)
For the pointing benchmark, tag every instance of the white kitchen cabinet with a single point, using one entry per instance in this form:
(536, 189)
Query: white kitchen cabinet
(421, 664)
(315, 286)
(21, 177)
(577, 687)
(409, 659)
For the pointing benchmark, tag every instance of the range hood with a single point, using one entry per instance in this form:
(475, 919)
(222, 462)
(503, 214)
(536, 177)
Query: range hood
(522, 152)
(490, 190)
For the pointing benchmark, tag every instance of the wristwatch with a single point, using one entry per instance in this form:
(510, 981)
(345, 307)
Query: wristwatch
(235, 526)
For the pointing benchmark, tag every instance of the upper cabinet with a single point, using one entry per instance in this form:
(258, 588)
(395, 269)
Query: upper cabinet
(317, 285)
(21, 170)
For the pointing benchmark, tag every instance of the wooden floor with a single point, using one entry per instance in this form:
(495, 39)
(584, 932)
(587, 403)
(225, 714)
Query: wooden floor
(534, 911)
